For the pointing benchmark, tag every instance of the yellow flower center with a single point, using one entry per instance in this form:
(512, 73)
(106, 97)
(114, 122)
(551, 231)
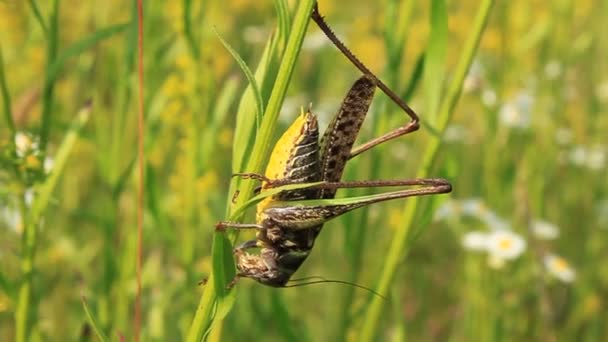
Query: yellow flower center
(560, 264)
(505, 244)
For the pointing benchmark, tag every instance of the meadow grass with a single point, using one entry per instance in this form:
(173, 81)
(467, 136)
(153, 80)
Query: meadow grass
(511, 96)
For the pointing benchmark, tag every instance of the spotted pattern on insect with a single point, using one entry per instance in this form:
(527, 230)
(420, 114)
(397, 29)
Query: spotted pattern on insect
(342, 132)
(287, 239)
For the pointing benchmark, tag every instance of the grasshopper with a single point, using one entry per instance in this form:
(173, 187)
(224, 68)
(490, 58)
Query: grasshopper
(288, 223)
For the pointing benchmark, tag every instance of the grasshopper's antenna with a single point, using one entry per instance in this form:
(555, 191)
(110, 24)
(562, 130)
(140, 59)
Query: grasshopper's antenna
(323, 280)
(316, 16)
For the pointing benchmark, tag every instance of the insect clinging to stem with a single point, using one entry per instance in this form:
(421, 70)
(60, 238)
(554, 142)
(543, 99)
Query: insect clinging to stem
(287, 223)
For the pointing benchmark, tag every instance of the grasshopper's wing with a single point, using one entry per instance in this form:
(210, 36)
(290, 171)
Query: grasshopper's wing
(340, 135)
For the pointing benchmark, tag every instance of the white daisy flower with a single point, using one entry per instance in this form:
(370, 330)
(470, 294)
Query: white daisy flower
(596, 158)
(510, 116)
(48, 164)
(553, 70)
(24, 144)
(505, 244)
(494, 221)
(601, 91)
(28, 196)
(578, 155)
(474, 78)
(545, 230)
(473, 207)
(559, 268)
(475, 241)
(489, 98)
(12, 218)
(518, 113)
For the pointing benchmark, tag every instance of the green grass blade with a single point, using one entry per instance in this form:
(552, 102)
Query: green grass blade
(252, 81)
(244, 133)
(6, 98)
(49, 84)
(81, 46)
(93, 322)
(7, 287)
(398, 246)
(43, 197)
(190, 38)
(38, 16)
(434, 61)
(41, 201)
(215, 292)
(282, 10)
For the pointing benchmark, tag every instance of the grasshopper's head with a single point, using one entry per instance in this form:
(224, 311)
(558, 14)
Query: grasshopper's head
(259, 268)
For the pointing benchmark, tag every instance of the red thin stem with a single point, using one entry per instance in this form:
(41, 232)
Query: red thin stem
(140, 193)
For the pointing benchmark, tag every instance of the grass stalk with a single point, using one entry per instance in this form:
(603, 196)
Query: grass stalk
(216, 300)
(6, 100)
(49, 83)
(25, 308)
(399, 242)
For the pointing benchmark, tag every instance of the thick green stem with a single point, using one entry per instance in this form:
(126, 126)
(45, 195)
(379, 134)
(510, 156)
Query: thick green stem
(213, 298)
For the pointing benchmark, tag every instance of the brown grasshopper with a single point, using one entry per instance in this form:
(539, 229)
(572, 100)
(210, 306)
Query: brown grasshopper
(288, 223)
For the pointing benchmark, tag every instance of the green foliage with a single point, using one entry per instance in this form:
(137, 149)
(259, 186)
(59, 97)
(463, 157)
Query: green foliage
(512, 96)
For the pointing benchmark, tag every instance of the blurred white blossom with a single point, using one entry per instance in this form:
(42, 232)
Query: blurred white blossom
(49, 162)
(559, 268)
(601, 91)
(475, 241)
(518, 112)
(553, 69)
(25, 144)
(473, 207)
(11, 218)
(494, 221)
(593, 158)
(489, 98)
(545, 230)
(505, 244)
(474, 78)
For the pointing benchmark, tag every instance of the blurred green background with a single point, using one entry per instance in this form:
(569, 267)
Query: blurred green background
(515, 252)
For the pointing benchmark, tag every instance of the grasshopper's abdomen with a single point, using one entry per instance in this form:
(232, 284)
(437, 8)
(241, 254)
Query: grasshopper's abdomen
(295, 158)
